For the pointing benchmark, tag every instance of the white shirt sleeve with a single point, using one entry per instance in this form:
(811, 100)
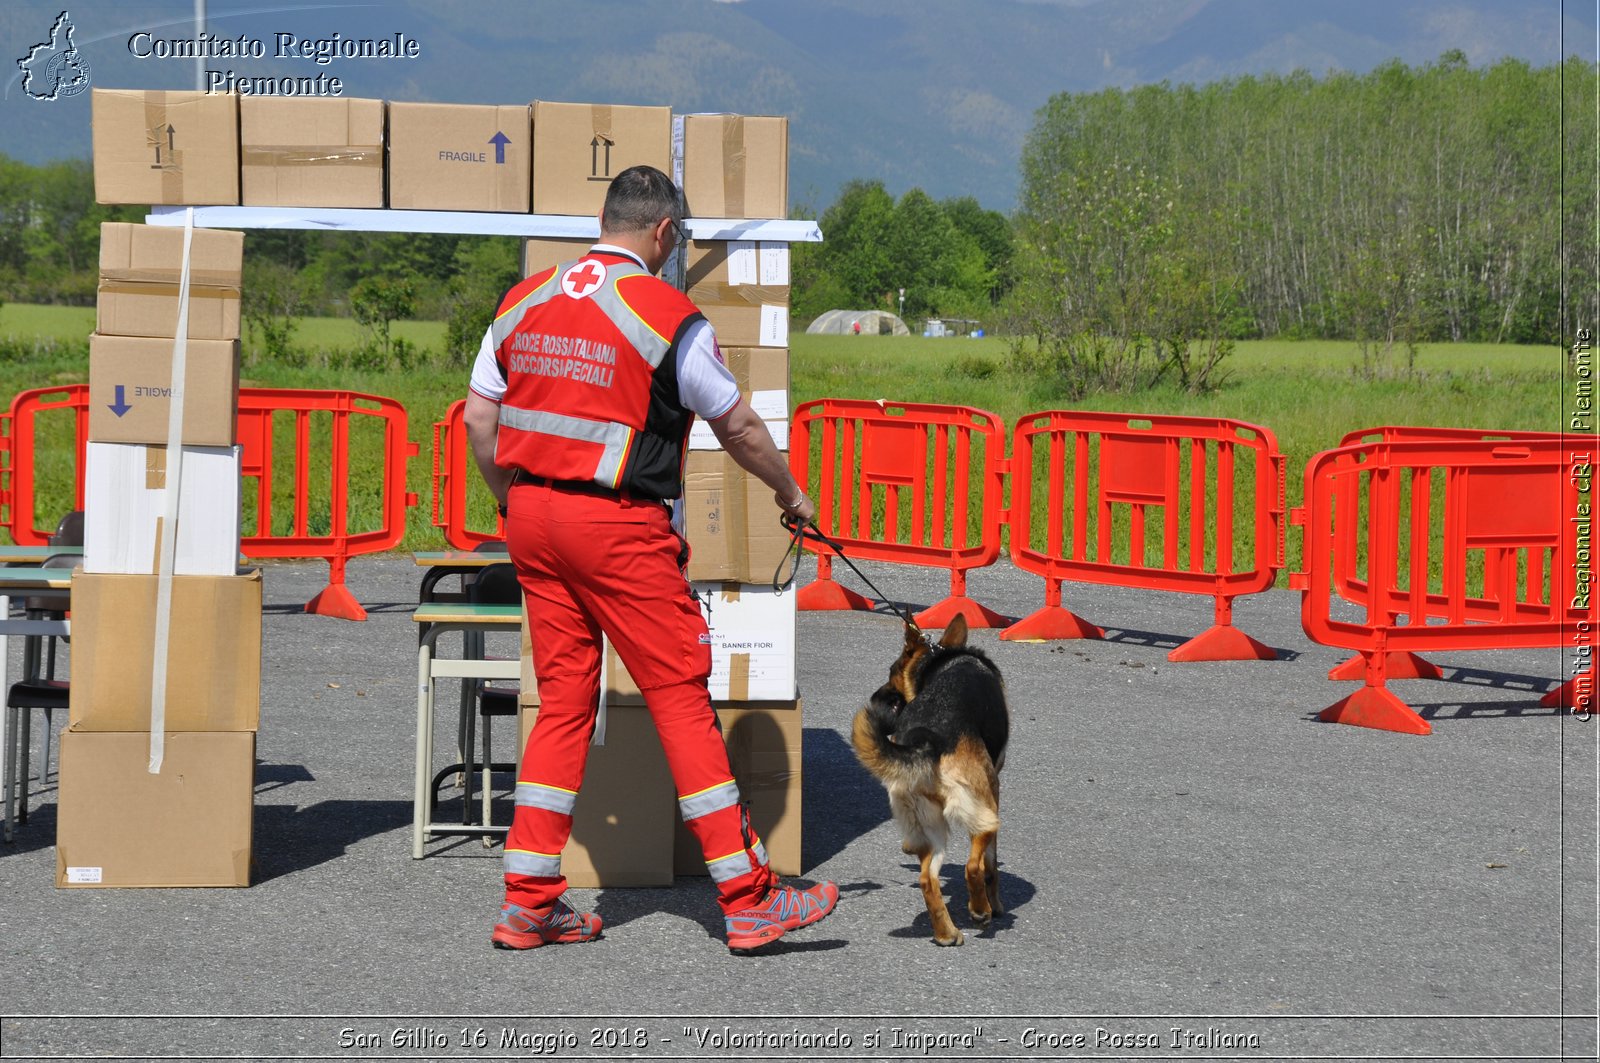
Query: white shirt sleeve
(705, 384)
(486, 378)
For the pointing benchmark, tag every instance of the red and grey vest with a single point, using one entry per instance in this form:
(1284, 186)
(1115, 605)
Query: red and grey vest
(589, 352)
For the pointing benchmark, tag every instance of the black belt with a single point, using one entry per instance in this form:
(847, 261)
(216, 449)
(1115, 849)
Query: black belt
(578, 487)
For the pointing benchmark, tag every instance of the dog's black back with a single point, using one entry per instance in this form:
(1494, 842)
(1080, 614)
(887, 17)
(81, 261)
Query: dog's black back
(954, 691)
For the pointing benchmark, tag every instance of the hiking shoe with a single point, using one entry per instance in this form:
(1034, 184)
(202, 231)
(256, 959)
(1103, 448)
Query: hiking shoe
(785, 908)
(520, 928)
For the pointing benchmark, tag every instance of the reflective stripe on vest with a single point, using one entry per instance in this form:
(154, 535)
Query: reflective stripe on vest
(549, 798)
(614, 437)
(712, 799)
(538, 865)
(652, 346)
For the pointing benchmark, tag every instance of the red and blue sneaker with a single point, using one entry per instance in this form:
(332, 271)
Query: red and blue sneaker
(784, 909)
(522, 928)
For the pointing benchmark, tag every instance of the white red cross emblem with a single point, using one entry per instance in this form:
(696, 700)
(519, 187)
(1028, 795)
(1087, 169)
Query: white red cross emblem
(584, 279)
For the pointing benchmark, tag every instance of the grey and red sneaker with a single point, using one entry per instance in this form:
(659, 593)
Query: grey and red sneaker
(785, 908)
(522, 928)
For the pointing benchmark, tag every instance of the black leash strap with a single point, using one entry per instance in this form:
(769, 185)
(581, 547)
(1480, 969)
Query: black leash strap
(802, 530)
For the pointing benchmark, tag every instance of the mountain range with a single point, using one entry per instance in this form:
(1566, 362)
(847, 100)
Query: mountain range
(936, 94)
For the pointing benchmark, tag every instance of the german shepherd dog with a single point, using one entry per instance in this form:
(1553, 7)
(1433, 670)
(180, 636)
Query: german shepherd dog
(935, 735)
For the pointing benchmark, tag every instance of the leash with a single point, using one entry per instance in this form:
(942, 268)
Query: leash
(799, 531)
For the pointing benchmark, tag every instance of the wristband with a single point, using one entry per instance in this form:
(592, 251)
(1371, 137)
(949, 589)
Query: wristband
(796, 502)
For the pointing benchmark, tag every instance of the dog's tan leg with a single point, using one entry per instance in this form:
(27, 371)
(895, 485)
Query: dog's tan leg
(944, 931)
(979, 896)
(991, 874)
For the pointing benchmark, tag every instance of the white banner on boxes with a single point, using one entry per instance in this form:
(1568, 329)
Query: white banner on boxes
(752, 641)
(771, 406)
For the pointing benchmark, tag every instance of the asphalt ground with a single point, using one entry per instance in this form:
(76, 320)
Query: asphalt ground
(1194, 867)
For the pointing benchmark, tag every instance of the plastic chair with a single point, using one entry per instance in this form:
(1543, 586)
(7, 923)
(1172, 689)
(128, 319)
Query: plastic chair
(37, 689)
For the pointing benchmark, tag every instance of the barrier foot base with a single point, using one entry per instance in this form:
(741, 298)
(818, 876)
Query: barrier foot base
(1400, 664)
(976, 615)
(826, 594)
(1050, 623)
(1377, 708)
(1222, 642)
(335, 600)
(1565, 695)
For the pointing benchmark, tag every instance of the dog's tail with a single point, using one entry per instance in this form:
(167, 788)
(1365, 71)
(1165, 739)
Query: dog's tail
(870, 734)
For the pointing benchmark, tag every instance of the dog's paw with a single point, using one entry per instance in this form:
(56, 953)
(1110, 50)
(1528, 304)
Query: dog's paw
(955, 939)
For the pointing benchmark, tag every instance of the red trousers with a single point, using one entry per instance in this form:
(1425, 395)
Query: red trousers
(590, 564)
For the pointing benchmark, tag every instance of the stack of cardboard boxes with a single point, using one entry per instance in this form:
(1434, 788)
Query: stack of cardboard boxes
(548, 159)
(623, 831)
(189, 823)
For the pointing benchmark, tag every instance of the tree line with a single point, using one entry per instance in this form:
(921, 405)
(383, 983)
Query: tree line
(1404, 205)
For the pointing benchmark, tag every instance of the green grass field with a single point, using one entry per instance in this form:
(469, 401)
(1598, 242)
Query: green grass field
(1309, 394)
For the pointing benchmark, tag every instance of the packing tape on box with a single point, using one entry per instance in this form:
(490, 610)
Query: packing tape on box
(159, 135)
(733, 166)
(738, 677)
(707, 294)
(311, 155)
(600, 120)
(203, 283)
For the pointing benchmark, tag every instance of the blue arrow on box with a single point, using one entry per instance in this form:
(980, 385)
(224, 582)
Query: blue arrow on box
(120, 407)
(499, 140)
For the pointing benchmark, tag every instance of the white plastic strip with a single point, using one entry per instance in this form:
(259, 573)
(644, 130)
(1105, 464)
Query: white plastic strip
(169, 525)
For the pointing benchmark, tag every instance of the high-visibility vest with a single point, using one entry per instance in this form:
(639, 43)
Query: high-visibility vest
(589, 351)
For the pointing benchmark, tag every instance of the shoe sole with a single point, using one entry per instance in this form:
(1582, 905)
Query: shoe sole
(539, 942)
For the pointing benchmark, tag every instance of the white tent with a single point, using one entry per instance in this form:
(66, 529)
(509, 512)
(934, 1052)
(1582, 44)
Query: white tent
(872, 322)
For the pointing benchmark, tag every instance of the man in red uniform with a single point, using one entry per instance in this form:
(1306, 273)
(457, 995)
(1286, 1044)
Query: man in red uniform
(578, 414)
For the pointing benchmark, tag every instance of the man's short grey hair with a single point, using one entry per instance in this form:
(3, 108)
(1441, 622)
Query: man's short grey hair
(638, 198)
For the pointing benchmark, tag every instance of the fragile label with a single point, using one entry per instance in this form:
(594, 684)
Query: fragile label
(774, 326)
(83, 876)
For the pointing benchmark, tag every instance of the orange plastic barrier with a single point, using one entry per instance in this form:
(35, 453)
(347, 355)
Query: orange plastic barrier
(257, 409)
(895, 482)
(1507, 519)
(453, 470)
(1349, 586)
(20, 429)
(1147, 501)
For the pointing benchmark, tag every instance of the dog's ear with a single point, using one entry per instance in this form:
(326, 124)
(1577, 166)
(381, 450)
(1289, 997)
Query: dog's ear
(955, 636)
(913, 638)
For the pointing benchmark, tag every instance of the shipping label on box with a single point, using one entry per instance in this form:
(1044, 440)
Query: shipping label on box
(730, 521)
(622, 822)
(310, 152)
(764, 751)
(117, 825)
(214, 652)
(733, 166)
(165, 147)
(742, 287)
(762, 374)
(459, 157)
(130, 390)
(125, 489)
(579, 147)
(140, 270)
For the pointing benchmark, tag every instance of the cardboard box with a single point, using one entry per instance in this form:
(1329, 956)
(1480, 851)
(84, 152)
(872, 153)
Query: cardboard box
(165, 147)
(730, 520)
(459, 157)
(734, 166)
(310, 152)
(125, 490)
(579, 147)
(743, 289)
(119, 825)
(214, 662)
(539, 253)
(764, 750)
(752, 646)
(130, 390)
(762, 374)
(528, 684)
(140, 269)
(622, 822)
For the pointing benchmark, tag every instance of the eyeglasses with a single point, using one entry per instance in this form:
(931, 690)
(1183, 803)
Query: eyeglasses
(679, 236)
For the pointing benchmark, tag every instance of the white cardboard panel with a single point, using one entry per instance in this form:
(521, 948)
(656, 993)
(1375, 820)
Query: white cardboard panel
(124, 501)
